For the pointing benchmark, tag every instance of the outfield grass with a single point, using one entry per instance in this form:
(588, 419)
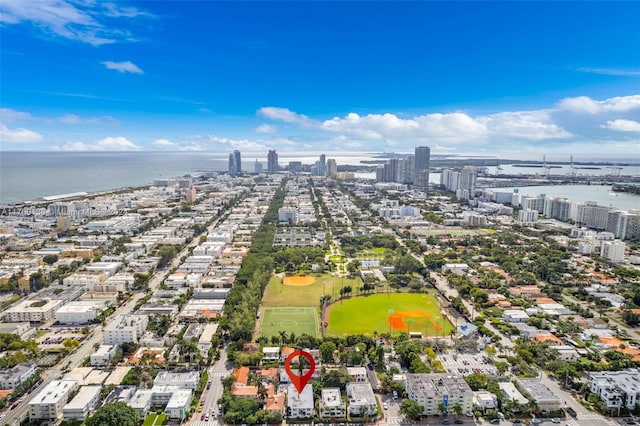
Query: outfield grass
(297, 320)
(278, 295)
(366, 314)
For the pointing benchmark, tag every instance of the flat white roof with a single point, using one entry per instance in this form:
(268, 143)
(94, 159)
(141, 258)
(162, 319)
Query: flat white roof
(55, 390)
(84, 397)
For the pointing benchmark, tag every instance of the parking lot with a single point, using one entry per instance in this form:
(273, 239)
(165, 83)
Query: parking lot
(464, 363)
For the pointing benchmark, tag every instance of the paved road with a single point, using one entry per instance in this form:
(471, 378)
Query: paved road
(221, 369)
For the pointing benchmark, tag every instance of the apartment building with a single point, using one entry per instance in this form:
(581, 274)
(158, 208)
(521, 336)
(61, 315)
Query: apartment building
(616, 388)
(82, 404)
(331, 404)
(430, 390)
(125, 329)
(48, 403)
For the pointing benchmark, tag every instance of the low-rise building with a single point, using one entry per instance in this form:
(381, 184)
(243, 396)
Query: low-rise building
(125, 329)
(33, 310)
(188, 380)
(430, 390)
(484, 400)
(179, 403)
(15, 376)
(545, 399)
(300, 404)
(47, 404)
(331, 404)
(103, 355)
(82, 404)
(361, 399)
(616, 389)
(511, 393)
(515, 315)
(357, 374)
(80, 312)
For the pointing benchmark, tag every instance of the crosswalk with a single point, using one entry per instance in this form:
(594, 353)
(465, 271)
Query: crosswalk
(203, 423)
(398, 421)
(590, 419)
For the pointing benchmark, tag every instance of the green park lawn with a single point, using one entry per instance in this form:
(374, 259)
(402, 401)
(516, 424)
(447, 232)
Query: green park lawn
(155, 419)
(289, 320)
(366, 314)
(278, 295)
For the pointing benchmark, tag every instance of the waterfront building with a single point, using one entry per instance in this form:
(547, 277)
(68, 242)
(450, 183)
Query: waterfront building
(332, 168)
(272, 161)
(257, 167)
(613, 250)
(422, 157)
(295, 166)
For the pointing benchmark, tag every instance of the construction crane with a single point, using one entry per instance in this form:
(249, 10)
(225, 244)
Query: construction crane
(572, 169)
(545, 167)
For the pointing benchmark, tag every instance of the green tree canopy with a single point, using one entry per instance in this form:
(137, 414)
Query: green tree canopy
(115, 414)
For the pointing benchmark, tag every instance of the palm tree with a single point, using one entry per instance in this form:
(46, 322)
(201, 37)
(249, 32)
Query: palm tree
(283, 336)
(457, 408)
(441, 408)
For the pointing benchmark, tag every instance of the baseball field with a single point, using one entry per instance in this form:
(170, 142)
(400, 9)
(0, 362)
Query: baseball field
(387, 313)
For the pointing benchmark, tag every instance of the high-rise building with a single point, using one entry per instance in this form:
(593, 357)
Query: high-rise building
(235, 163)
(295, 166)
(422, 157)
(613, 250)
(257, 167)
(192, 196)
(272, 161)
(238, 160)
(332, 168)
(322, 165)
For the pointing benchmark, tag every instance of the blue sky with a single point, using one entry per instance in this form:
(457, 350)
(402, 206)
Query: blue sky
(493, 78)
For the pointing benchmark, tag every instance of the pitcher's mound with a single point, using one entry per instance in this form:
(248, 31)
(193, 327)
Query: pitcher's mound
(298, 280)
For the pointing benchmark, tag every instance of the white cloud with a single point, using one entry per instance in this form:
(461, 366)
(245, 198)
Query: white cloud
(76, 119)
(86, 22)
(9, 115)
(126, 66)
(451, 126)
(587, 105)
(266, 128)
(163, 143)
(286, 115)
(623, 125)
(107, 144)
(19, 135)
(610, 71)
(529, 125)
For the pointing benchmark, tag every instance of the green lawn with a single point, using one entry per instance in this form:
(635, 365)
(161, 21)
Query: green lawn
(366, 314)
(297, 320)
(278, 295)
(155, 419)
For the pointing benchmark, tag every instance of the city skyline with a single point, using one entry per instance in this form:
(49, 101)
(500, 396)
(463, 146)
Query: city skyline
(496, 79)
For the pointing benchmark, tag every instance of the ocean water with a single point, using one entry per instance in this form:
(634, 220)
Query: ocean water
(31, 175)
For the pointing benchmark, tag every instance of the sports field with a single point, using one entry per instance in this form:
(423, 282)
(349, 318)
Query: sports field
(294, 294)
(387, 313)
(297, 320)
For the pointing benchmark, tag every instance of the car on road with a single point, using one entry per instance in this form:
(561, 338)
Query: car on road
(536, 421)
(385, 406)
(458, 422)
(554, 420)
(202, 417)
(495, 421)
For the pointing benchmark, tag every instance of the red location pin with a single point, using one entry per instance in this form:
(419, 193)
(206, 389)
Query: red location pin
(299, 381)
